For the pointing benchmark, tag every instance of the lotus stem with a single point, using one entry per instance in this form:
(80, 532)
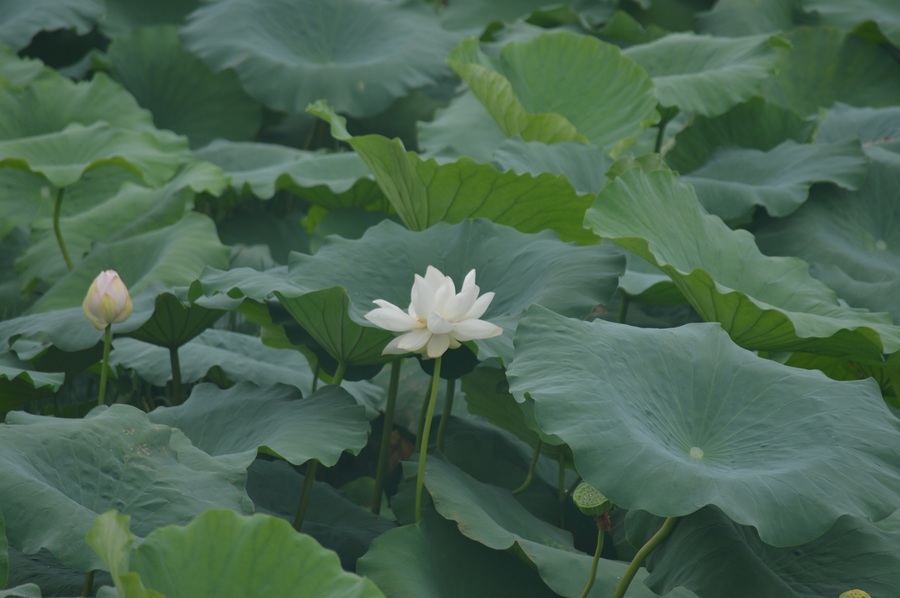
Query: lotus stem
(423, 451)
(104, 366)
(312, 465)
(445, 414)
(88, 583)
(421, 424)
(387, 428)
(308, 484)
(561, 489)
(59, 238)
(623, 308)
(176, 376)
(646, 549)
(594, 563)
(531, 467)
(339, 374)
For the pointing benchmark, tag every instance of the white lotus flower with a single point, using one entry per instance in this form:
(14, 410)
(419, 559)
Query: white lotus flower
(107, 301)
(438, 318)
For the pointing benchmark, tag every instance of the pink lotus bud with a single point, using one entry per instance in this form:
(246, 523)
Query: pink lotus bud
(107, 300)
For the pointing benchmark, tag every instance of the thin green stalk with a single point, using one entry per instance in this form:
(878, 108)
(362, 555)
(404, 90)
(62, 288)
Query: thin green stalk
(384, 450)
(660, 136)
(339, 373)
(56, 229)
(316, 374)
(531, 467)
(423, 451)
(308, 484)
(642, 554)
(422, 412)
(561, 489)
(445, 414)
(176, 376)
(104, 367)
(590, 583)
(88, 585)
(312, 465)
(623, 308)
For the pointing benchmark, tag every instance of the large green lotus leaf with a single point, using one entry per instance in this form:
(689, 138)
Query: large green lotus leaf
(827, 66)
(487, 395)
(583, 165)
(493, 517)
(648, 440)
(329, 180)
(65, 156)
(180, 90)
(735, 18)
(172, 256)
(754, 124)
(433, 559)
(180, 316)
(850, 237)
(20, 20)
(20, 383)
(424, 192)
(131, 211)
(275, 419)
(566, 573)
(485, 513)
(51, 105)
(335, 522)
(762, 302)
(18, 72)
(45, 576)
(883, 13)
(530, 96)
(475, 15)
(240, 357)
(735, 181)
(872, 126)
(220, 553)
(707, 75)
(4, 553)
(124, 16)
(715, 557)
(61, 473)
(644, 283)
(358, 55)
(26, 590)
(324, 314)
(463, 128)
(521, 269)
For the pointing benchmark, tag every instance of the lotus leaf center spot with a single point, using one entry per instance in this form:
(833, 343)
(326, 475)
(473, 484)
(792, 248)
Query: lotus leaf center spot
(696, 452)
(880, 245)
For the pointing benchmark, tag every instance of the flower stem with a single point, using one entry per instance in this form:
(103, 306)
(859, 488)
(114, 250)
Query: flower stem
(56, 229)
(88, 583)
(445, 414)
(561, 489)
(590, 583)
(104, 367)
(308, 484)
(176, 376)
(339, 373)
(426, 429)
(623, 308)
(531, 467)
(312, 465)
(384, 450)
(646, 549)
(421, 425)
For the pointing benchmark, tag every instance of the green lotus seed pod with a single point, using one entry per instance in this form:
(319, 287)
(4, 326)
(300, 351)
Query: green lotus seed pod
(855, 594)
(590, 500)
